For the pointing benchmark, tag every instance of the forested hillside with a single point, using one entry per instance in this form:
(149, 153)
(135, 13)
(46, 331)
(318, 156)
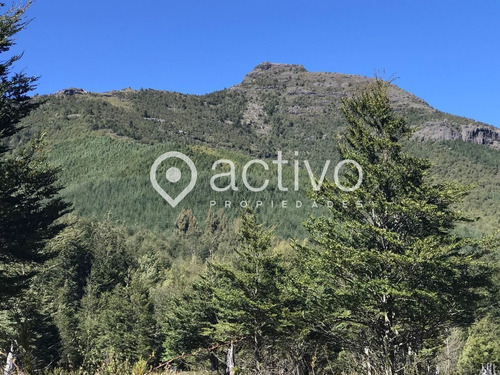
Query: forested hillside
(106, 143)
(100, 275)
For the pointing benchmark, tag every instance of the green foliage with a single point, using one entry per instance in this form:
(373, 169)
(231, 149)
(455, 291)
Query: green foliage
(248, 294)
(186, 224)
(387, 279)
(28, 188)
(378, 285)
(481, 348)
(106, 143)
(111, 295)
(469, 164)
(15, 104)
(187, 325)
(241, 300)
(29, 211)
(28, 214)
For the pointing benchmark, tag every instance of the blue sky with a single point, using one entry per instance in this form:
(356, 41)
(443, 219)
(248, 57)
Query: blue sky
(445, 51)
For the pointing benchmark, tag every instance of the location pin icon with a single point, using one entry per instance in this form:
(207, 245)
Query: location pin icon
(173, 175)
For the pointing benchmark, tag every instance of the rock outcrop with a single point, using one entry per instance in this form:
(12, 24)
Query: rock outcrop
(72, 91)
(481, 134)
(308, 94)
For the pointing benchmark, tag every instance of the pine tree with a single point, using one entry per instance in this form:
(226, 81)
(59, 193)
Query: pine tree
(29, 205)
(186, 223)
(247, 293)
(386, 280)
(188, 326)
(482, 348)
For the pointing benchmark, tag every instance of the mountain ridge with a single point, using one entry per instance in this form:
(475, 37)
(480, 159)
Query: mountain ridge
(474, 132)
(293, 81)
(106, 143)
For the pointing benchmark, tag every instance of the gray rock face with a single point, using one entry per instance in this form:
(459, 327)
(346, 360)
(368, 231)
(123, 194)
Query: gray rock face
(72, 91)
(308, 94)
(277, 66)
(437, 131)
(266, 69)
(481, 135)
(445, 131)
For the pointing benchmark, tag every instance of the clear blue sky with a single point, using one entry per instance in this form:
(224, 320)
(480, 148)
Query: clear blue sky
(445, 51)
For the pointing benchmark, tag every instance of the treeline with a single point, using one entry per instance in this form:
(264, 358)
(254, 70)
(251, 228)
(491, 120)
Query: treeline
(105, 146)
(120, 302)
(387, 287)
(105, 294)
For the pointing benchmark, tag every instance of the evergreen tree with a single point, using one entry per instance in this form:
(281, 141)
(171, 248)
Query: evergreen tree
(65, 283)
(29, 204)
(248, 293)
(126, 327)
(482, 347)
(29, 207)
(188, 326)
(387, 279)
(15, 104)
(219, 237)
(186, 223)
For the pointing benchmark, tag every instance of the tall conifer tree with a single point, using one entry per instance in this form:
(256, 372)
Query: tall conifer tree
(387, 279)
(29, 205)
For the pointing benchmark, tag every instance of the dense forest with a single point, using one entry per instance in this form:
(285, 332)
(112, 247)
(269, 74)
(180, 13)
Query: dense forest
(99, 276)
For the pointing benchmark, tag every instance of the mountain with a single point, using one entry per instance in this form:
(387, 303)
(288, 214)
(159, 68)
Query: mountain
(105, 143)
(313, 94)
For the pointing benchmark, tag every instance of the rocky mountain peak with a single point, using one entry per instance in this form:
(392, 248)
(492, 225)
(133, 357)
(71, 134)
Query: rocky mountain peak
(268, 66)
(272, 69)
(72, 91)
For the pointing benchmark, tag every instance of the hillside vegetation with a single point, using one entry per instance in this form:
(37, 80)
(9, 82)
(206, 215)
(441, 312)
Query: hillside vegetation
(406, 283)
(106, 143)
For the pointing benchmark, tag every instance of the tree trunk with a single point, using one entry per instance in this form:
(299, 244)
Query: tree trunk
(214, 363)
(10, 366)
(256, 351)
(487, 370)
(230, 360)
(368, 364)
